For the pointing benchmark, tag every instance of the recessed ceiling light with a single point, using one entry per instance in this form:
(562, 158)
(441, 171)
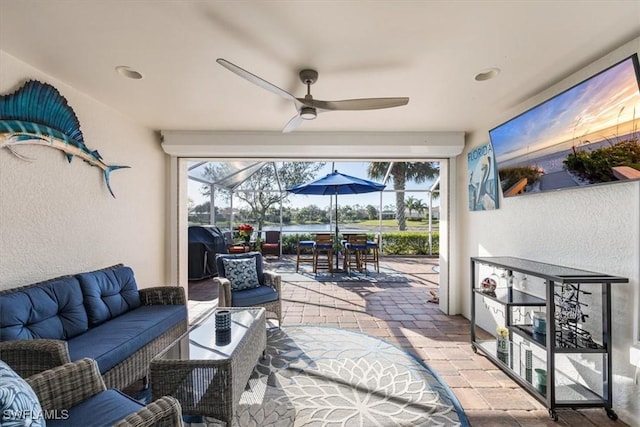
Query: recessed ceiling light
(487, 74)
(128, 72)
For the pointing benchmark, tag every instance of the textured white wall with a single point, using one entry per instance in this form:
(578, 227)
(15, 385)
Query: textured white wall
(596, 228)
(59, 218)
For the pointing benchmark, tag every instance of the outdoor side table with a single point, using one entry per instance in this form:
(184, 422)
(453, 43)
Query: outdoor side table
(208, 378)
(239, 249)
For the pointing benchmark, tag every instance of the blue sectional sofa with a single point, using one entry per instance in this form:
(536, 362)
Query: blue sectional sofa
(101, 315)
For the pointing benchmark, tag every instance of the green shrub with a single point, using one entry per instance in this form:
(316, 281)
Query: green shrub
(410, 243)
(596, 165)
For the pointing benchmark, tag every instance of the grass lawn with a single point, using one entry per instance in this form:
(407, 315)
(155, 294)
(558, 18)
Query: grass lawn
(392, 225)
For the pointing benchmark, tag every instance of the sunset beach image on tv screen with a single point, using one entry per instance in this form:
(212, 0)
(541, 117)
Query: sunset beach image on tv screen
(586, 135)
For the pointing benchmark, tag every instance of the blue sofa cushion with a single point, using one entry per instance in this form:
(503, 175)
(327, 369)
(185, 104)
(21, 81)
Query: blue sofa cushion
(256, 255)
(19, 404)
(108, 293)
(114, 341)
(49, 310)
(103, 409)
(241, 272)
(251, 297)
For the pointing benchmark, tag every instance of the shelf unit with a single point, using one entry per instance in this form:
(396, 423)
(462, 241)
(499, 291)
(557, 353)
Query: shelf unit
(562, 391)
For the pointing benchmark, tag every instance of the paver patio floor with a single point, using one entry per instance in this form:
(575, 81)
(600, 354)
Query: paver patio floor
(394, 305)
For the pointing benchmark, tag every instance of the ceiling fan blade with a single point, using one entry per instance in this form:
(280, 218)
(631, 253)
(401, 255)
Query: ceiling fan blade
(355, 104)
(293, 124)
(255, 79)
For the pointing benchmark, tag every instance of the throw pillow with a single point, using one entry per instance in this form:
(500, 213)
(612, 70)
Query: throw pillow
(19, 404)
(241, 272)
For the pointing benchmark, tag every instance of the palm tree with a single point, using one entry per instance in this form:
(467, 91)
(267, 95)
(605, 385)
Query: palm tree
(420, 207)
(411, 203)
(401, 172)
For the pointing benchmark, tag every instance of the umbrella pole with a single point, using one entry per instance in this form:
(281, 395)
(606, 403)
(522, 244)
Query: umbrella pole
(337, 262)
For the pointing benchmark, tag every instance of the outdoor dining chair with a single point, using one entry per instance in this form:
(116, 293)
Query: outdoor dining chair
(323, 253)
(372, 254)
(304, 252)
(354, 250)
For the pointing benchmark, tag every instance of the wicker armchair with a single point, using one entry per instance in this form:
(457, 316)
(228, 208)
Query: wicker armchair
(227, 297)
(61, 389)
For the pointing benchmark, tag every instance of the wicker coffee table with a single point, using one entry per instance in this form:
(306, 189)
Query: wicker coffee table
(208, 378)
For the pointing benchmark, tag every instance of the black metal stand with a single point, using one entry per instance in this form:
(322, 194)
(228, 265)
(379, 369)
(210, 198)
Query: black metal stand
(565, 312)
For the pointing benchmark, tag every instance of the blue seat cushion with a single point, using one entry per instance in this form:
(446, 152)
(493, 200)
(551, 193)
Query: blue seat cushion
(255, 296)
(108, 293)
(372, 244)
(114, 341)
(355, 247)
(322, 246)
(256, 255)
(103, 409)
(306, 243)
(49, 310)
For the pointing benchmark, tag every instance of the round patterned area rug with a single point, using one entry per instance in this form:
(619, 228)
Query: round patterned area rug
(321, 376)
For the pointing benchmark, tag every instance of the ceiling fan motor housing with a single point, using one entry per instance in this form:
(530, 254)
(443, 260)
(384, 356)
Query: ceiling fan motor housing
(308, 77)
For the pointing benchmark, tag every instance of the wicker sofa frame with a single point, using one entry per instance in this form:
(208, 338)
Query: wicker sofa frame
(66, 386)
(29, 357)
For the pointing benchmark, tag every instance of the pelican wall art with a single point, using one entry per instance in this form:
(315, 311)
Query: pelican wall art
(483, 180)
(36, 114)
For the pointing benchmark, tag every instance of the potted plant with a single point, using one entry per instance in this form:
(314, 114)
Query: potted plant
(245, 231)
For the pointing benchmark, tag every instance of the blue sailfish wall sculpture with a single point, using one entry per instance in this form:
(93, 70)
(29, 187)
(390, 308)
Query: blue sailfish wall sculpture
(36, 114)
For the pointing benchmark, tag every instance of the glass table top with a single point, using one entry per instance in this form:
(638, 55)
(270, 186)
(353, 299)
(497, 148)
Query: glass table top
(200, 343)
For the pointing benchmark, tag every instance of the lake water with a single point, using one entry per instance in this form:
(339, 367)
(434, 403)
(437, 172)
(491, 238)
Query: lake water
(307, 228)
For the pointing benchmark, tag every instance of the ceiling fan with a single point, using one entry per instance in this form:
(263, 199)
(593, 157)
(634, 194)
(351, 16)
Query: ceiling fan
(307, 107)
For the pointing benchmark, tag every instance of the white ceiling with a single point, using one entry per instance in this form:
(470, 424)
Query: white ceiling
(426, 50)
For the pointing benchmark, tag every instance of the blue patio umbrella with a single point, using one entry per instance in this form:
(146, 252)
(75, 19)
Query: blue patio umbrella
(336, 183)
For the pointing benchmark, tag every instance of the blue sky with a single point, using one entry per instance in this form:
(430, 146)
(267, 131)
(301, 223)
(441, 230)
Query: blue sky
(357, 169)
(597, 103)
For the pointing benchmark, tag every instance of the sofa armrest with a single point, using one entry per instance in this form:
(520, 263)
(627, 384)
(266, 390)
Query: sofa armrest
(273, 279)
(163, 295)
(165, 411)
(224, 291)
(65, 386)
(29, 357)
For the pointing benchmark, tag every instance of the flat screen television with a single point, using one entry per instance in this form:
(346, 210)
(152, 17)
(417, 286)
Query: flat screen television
(583, 136)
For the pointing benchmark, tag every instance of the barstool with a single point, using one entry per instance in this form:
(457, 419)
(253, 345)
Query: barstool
(323, 247)
(372, 254)
(304, 252)
(354, 253)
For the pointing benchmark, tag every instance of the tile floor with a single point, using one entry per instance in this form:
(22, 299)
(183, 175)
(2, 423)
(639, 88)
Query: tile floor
(394, 305)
